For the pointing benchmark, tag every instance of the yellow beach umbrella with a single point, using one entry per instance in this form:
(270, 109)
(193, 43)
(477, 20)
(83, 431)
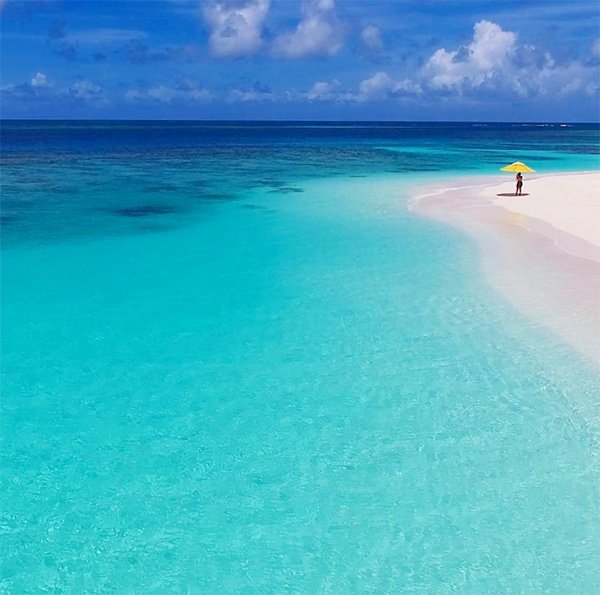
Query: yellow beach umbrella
(518, 166)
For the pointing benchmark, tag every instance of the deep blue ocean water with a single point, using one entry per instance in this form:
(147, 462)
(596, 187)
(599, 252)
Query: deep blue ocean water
(234, 361)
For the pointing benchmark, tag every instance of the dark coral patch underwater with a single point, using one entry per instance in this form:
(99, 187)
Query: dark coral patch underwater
(146, 210)
(162, 188)
(286, 190)
(217, 196)
(8, 219)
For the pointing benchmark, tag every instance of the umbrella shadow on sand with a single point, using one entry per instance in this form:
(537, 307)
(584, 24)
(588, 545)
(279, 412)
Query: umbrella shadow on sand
(512, 194)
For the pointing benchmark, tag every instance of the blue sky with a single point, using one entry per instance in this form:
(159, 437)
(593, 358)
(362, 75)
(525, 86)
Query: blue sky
(523, 60)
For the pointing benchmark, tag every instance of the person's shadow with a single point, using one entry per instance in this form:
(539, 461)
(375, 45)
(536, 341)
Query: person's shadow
(512, 194)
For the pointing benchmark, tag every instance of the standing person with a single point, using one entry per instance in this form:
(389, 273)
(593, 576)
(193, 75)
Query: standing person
(519, 184)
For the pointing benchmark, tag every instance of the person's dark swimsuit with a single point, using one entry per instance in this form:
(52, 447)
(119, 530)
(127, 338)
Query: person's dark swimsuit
(519, 183)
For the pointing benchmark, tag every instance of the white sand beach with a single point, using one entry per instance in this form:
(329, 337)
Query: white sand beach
(540, 250)
(570, 203)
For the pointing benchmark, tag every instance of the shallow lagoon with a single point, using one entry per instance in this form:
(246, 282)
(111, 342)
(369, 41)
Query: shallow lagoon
(243, 365)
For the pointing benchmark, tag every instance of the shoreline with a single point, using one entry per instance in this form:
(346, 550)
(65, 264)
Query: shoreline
(541, 251)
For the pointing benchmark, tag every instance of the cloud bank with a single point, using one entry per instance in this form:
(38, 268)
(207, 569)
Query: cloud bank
(494, 61)
(40, 89)
(319, 32)
(236, 30)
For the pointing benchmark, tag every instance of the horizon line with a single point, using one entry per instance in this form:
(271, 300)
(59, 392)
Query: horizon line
(303, 121)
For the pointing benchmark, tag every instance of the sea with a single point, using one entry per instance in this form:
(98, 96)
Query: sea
(235, 361)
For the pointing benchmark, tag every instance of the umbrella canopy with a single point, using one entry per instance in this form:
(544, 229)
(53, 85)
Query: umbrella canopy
(518, 166)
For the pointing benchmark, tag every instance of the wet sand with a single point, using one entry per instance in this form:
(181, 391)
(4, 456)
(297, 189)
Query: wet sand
(540, 250)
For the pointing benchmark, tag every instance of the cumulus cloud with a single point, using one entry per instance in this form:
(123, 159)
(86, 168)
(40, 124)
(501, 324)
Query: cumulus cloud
(561, 80)
(236, 29)
(371, 39)
(318, 33)
(492, 64)
(375, 87)
(86, 90)
(39, 80)
(322, 91)
(250, 95)
(258, 92)
(487, 56)
(40, 89)
(187, 91)
(382, 86)
(379, 87)
(494, 61)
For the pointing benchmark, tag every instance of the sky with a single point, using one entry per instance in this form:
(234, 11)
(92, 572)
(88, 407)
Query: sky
(436, 60)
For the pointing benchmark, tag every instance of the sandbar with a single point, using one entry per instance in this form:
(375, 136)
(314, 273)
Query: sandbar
(541, 250)
(570, 203)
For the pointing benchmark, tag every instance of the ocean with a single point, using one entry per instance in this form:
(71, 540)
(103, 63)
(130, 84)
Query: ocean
(234, 361)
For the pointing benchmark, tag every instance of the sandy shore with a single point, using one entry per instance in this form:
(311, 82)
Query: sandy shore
(540, 250)
(569, 203)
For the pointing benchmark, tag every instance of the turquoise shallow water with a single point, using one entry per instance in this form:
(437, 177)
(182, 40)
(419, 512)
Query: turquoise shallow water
(276, 380)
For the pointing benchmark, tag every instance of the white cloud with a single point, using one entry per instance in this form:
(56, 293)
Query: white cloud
(250, 95)
(133, 95)
(491, 45)
(39, 80)
(371, 38)
(562, 80)
(493, 61)
(41, 89)
(382, 86)
(322, 91)
(406, 87)
(318, 33)
(376, 87)
(236, 29)
(488, 55)
(86, 90)
(596, 48)
(162, 94)
(187, 91)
